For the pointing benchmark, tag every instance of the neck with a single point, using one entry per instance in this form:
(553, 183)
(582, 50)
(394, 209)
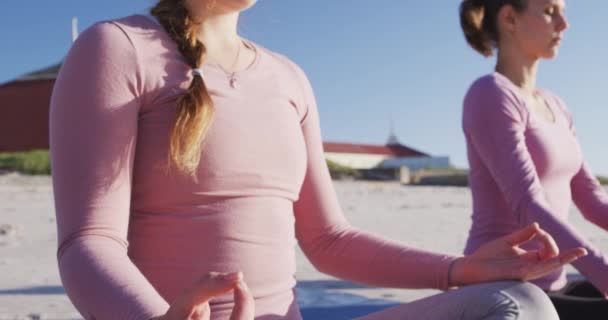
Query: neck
(518, 68)
(219, 33)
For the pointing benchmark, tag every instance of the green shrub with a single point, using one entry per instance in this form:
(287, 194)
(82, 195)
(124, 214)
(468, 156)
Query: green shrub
(603, 180)
(338, 171)
(30, 162)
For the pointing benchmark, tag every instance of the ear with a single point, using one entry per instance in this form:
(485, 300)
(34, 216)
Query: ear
(507, 18)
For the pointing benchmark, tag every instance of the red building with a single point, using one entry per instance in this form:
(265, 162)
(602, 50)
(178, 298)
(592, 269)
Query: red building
(24, 111)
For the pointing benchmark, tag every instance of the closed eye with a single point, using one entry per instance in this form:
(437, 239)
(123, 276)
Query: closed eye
(555, 9)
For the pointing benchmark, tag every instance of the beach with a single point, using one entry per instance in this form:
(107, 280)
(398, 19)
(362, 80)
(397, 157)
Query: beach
(434, 218)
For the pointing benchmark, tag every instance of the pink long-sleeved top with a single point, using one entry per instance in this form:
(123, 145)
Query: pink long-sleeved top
(132, 236)
(524, 168)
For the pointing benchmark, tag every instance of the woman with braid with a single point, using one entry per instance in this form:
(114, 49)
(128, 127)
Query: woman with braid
(526, 163)
(188, 161)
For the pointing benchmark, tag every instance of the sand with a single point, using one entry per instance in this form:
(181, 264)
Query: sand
(434, 218)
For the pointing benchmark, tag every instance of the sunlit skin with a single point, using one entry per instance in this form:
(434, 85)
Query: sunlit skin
(524, 39)
(218, 31)
(218, 7)
(536, 32)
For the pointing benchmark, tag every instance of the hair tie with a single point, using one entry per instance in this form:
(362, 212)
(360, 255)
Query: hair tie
(198, 72)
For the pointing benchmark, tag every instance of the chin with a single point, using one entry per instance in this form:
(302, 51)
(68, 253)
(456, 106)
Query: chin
(240, 4)
(550, 54)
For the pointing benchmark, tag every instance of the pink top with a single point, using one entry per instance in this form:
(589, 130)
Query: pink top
(524, 168)
(132, 237)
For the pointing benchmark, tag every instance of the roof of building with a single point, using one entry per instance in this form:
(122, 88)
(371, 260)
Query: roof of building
(48, 73)
(394, 150)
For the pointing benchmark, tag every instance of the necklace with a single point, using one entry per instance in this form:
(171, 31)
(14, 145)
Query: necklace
(232, 75)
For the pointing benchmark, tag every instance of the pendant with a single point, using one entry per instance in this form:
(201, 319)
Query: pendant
(233, 83)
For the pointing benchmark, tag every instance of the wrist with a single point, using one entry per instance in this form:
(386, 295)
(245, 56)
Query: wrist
(456, 272)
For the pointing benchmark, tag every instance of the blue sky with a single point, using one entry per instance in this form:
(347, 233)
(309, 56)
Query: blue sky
(369, 62)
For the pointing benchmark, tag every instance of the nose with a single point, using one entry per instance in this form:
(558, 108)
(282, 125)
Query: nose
(562, 23)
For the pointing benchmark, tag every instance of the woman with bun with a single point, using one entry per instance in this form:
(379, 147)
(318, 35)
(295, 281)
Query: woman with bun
(525, 161)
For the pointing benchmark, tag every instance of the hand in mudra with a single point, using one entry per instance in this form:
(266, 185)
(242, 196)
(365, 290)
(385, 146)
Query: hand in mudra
(503, 259)
(193, 303)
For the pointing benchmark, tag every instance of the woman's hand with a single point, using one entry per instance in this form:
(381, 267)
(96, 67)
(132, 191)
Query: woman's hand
(503, 259)
(193, 304)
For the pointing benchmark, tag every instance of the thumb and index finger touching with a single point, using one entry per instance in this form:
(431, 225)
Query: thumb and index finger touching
(214, 284)
(549, 256)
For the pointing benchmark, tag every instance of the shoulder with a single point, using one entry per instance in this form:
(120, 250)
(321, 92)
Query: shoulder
(494, 94)
(493, 86)
(116, 34)
(105, 52)
(105, 35)
(285, 65)
(292, 78)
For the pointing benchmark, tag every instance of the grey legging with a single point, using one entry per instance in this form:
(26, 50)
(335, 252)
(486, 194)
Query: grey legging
(489, 301)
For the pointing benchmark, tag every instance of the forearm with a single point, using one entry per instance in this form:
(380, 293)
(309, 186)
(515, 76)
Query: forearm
(351, 254)
(103, 283)
(590, 197)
